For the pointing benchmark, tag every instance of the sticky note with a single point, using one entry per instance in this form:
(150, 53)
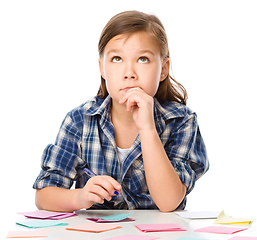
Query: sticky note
(190, 238)
(61, 239)
(160, 227)
(41, 223)
(94, 227)
(41, 214)
(132, 237)
(27, 234)
(223, 219)
(222, 230)
(243, 238)
(198, 214)
(113, 218)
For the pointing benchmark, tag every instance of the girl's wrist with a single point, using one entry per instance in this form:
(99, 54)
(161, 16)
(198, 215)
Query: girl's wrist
(147, 133)
(76, 199)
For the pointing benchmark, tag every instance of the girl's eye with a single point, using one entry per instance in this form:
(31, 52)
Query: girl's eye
(116, 59)
(143, 60)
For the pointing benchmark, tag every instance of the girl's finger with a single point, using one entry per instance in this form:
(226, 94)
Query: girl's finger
(100, 192)
(131, 102)
(109, 184)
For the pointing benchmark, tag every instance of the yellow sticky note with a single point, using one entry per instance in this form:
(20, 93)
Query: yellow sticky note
(223, 219)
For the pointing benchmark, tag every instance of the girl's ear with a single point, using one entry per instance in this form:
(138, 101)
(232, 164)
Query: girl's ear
(101, 67)
(165, 69)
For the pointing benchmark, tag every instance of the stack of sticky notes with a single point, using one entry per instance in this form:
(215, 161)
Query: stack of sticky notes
(41, 219)
(223, 219)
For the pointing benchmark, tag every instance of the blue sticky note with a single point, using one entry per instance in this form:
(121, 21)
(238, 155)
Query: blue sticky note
(116, 217)
(41, 223)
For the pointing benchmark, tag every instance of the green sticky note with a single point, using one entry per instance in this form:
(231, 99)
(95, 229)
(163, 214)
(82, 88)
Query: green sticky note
(116, 217)
(41, 223)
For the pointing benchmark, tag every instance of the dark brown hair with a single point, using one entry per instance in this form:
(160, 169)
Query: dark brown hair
(130, 22)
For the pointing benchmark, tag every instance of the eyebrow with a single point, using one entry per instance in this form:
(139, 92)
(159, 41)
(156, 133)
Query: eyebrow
(140, 52)
(113, 51)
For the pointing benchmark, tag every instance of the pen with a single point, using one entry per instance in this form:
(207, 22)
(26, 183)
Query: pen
(92, 174)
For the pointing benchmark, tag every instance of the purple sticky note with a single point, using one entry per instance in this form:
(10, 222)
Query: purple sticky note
(40, 214)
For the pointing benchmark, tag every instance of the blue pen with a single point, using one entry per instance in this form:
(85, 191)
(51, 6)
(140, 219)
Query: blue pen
(92, 174)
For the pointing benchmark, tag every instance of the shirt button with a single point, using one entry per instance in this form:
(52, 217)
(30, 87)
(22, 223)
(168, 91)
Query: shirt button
(129, 198)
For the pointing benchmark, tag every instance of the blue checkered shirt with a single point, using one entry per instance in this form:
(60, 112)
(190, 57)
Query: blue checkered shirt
(86, 139)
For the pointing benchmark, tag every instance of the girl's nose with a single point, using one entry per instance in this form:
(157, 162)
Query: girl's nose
(128, 76)
(130, 73)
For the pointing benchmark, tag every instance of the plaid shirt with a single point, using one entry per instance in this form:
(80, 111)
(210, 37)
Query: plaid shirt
(86, 139)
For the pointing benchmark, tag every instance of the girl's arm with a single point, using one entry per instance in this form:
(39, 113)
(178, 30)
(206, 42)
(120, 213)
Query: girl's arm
(60, 199)
(57, 199)
(163, 182)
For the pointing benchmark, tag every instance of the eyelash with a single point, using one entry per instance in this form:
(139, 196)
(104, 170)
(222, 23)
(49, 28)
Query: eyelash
(115, 57)
(146, 58)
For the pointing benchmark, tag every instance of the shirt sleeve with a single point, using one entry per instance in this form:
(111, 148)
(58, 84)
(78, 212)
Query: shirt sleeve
(61, 161)
(186, 151)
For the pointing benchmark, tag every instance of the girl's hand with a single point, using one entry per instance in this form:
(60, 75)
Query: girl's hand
(141, 105)
(96, 190)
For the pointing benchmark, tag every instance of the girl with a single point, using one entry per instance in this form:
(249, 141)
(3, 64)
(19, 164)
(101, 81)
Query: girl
(137, 134)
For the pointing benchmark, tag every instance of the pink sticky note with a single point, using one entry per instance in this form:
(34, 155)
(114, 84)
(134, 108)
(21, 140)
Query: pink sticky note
(222, 230)
(160, 227)
(27, 234)
(94, 227)
(243, 238)
(47, 215)
(61, 239)
(132, 237)
(63, 215)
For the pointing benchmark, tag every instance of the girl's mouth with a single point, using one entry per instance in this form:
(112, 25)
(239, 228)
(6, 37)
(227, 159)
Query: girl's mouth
(126, 88)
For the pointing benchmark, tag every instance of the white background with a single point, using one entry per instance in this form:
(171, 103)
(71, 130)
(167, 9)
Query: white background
(49, 65)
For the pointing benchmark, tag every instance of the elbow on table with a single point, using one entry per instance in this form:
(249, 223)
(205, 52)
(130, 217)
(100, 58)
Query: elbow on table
(172, 205)
(166, 209)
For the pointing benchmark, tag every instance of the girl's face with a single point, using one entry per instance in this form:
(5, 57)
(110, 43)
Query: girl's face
(133, 61)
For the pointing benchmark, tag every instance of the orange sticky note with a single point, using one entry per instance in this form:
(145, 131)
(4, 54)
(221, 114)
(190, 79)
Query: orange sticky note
(94, 227)
(27, 234)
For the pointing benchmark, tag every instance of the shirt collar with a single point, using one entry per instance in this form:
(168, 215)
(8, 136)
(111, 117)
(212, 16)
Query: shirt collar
(100, 107)
(162, 112)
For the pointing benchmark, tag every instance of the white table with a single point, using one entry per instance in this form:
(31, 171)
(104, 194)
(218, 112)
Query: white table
(141, 217)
